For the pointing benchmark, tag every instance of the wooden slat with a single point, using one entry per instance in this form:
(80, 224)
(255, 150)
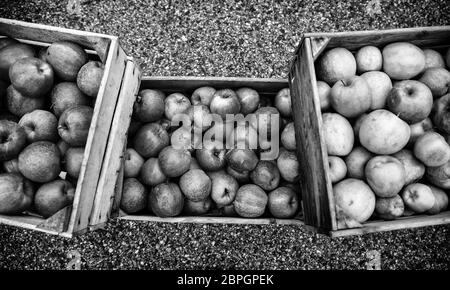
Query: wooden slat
(318, 44)
(44, 33)
(30, 223)
(97, 138)
(57, 222)
(317, 196)
(104, 196)
(405, 223)
(422, 36)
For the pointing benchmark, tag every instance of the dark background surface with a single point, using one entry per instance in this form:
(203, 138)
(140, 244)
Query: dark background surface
(223, 38)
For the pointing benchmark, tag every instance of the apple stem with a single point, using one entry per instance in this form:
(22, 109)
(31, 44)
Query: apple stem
(342, 81)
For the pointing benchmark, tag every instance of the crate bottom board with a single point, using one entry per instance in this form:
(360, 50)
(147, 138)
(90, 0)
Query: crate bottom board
(214, 220)
(31, 223)
(399, 224)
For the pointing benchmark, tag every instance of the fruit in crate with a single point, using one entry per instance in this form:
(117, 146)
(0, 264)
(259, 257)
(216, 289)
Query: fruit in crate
(195, 185)
(73, 159)
(32, 77)
(249, 100)
(338, 134)
(439, 175)
(288, 137)
(151, 173)
(40, 125)
(19, 104)
(433, 59)
(66, 95)
(356, 162)
(225, 102)
(440, 200)
(438, 80)
(89, 78)
(418, 197)
(74, 125)
(379, 85)
(403, 60)
(390, 208)
(432, 149)
(224, 189)
(150, 139)
(441, 114)
(283, 102)
(211, 158)
(288, 165)
(40, 162)
(283, 202)
(336, 64)
(351, 97)
(134, 196)
(324, 91)
(16, 193)
(410, 100)
(197, 207)
(267, 119)
(174, 104)
(418, 129)
(414, 169)
(199, 116)
(12, 53)
(250, 201)
(12, 140)
(166, 200)
(66, 58)
(338, 168)
(202, 96)
(385, 175)
(382, 132)
(174, 162)
(368, 58)
(149, 106)
(53, 196)
(266, 175)
(241, 159)
(133, 163)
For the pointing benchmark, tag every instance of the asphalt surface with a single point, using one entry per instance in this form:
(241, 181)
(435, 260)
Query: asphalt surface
(223, 38)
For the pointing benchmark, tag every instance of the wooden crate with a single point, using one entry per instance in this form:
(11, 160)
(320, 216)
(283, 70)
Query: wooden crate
(317, 194)
(76, 219)
(112, 168)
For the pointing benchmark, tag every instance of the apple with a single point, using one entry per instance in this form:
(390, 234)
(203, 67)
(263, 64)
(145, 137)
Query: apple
(12, 53)
(440, 200)
(385, 175)
(357, 125)
(380, 85)
(166, 200)
(197, 207)
(66, 95)
(241, 159)
(133, 163)
(382, 132)
(414, 169)
(338, 134)
(212, 157)
(410, 100)
(199, 116)
(288, 165)
(175, 104)
(229, 210)
(288, 137)
(53, 196)
(151, 173)
(283, 102)
(66, 58)
(225, 102)
(249, 100)
(195, 185)
(19, 105)
(438, 80)
(74, 125)
(224, 189)
(149, 106)
(266, 175)
(16, 194)
(368, 58)
(403, 60)
(439, 175)
(338, 168)
(174, 162)
(433, 59)
(441, 113)
(134, 196)
(185, 138)
(150, 139)
(40, 125)
(418, 197)
(73, 160)
(390, 208)
(354, 199)
(336, 64)
(212, 174)
(202, 96)
(356, 162)
(12, 140)
(351, 97)
(267, 119)
(324, 91)
(5, 41)
(63, 147)
(419, 128)
(31, 76)
(241, 177)
(283, 202)
(40, 162)
(11, 166)
(432, 149)
(89, 78)
(250, 201)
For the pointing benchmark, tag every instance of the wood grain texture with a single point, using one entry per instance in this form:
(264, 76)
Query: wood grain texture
(317, 196)
(113, 161)
(318, 45)
(57, 222)
(30, 223)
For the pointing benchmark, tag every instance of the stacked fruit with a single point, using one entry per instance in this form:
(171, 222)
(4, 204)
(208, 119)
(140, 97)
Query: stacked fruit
(204, 176)
(397, 99)
(46, 102)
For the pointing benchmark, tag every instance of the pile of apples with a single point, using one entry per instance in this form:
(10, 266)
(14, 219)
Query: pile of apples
(386, 124)
(46, 100)
(169, 181)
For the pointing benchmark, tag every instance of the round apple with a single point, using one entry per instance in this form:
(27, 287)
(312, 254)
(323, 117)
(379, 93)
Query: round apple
(211, 157)
(418, 197)
(241, 177)
(197, 207)
(74, 125)
(89, 78)
(175, 104)
(66, 58)
(249, 100)
(288, 165)
(32, 77)
(385, 175)
(241, 159)
(382, 132)
(150, 139)
(441, 113)
(356, 162)
(16, 194)
(414, 169)
(195, 185)
(202, 96)
(224, 189)
(380, 85)
(134, 196)
(166, 200)
(19, 105)
(40, 162)
(283, 202)
(12, 139)
(283, 102)
(12, 53)
(250, 201)
(433, 59)
(66, 95)
(351, 97)
(438, 80)
(355, 199)
(149, 106)
(324, 91)
(439, 175)
(266, 175)
(336, 64)
(151, 173)
(390, 208)
(432, 149)
(53, 196)
(225, 102)
(40, 125)
(338, 134)
(441, 200)
(267, 119)
(368, 58)
(403, 60)
(174, 162)
(288, 137)
(133, 163)
(338, 169)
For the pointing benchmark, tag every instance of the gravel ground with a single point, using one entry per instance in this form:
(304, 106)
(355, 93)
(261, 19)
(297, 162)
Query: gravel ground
(223, 38)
